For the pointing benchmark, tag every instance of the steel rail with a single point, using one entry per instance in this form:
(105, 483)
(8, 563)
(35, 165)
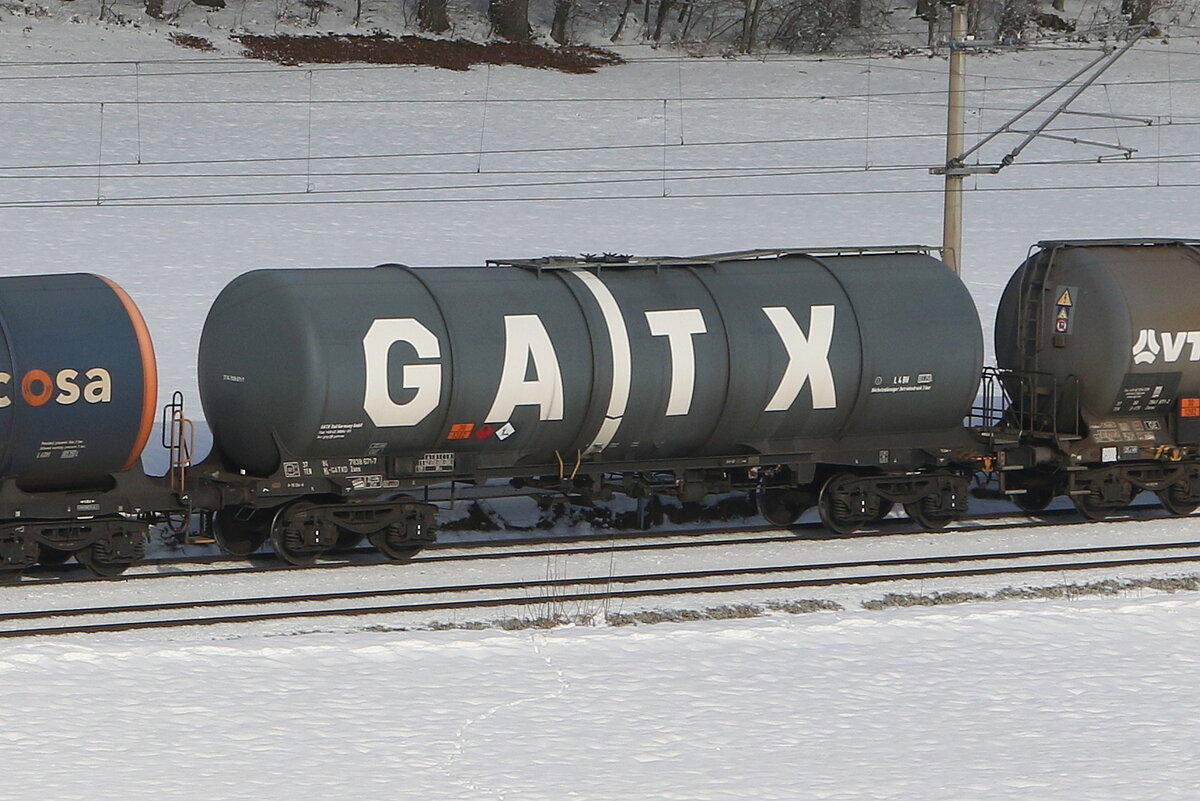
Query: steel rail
(605, 594)
(624, 541)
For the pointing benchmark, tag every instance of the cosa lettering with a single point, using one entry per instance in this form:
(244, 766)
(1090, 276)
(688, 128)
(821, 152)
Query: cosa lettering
(67, 386)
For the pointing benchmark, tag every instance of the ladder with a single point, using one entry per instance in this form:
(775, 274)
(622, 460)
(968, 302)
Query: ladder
(1038, 396)
(1033, 291)
(179, 440)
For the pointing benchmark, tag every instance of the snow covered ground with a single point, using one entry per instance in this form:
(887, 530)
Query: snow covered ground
(1090, 699)
(172, 173)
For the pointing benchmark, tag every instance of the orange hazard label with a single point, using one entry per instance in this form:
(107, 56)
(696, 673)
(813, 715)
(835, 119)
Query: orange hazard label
(460, 431)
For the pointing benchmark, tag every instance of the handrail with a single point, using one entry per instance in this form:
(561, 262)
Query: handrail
(1016, 402)
(623, 261)
(179, 439)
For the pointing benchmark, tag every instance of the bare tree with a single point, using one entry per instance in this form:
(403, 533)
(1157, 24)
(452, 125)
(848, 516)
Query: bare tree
(750, 18)
(1138, 11)
(621, 21)
(928, 11)
(810, 26)
(510, 19)
(660, 19)
(1014, 16)
(432, 16)
(562, 18)
(854, 13)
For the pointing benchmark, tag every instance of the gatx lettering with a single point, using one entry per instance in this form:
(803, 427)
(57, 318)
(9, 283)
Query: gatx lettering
(531, 374)
(67, 386)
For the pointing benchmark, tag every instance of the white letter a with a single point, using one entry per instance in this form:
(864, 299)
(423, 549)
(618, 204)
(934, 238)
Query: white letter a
(525, 341)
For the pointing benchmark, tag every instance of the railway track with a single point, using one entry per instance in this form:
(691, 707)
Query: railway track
(596, 589)
(496, 549)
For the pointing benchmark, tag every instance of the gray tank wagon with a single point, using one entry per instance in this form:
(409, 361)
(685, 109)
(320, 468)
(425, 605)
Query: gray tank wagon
(838, 378)
(1099, 341)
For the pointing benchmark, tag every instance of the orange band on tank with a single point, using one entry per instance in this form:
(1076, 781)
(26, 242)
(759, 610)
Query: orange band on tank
(149, 371)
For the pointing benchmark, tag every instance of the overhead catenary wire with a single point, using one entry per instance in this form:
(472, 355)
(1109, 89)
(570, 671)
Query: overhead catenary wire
(764, 170)
(650, 176)
(313, 162)
(533, 150)
(787, 169)
(542, 99)
(117, 202)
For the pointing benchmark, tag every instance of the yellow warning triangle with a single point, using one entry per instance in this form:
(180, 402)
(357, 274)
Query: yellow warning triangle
(1065, 299)
(1062, 314)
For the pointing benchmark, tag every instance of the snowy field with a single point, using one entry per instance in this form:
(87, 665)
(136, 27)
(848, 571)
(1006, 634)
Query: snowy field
(172, 172)
(1091, 699)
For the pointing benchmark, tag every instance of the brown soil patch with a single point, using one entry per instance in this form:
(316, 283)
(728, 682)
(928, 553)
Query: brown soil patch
(192, 42)
(382, 48)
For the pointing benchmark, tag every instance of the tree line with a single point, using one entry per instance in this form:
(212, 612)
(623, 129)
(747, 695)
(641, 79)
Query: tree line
(749, 26)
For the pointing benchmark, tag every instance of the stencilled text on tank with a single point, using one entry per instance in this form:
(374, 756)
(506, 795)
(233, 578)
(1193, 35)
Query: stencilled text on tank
(906, 382)
(337, 430)
(60, 449)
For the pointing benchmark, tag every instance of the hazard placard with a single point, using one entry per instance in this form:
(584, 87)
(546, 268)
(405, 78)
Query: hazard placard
(1064, 298)
(461, 431)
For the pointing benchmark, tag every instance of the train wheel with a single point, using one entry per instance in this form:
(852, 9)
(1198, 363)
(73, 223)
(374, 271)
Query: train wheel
(1174, 500)
(779, 506)
(836, 513)
(1090, 507)
(296, 540)
(103, 559)
(927, 517)
(394, 543)
(1034, 499)
(1094, 505)
(241, 532)
(52, 557)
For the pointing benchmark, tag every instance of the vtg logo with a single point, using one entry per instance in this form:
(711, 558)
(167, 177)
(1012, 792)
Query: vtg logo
(1150, 344)
(38, 387)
